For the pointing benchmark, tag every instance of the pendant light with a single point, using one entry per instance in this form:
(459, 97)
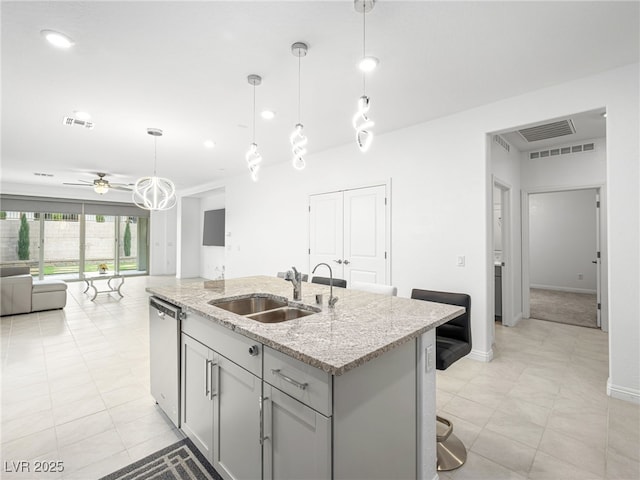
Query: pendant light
(252, 156)
(361, 122)
(154, 193)
(298, 139)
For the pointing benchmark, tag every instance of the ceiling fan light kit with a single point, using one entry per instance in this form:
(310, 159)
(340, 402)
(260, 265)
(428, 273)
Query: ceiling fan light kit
(154, 193)
(100, 185)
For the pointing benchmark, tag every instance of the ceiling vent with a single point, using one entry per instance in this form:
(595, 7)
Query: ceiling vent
(587, 147)
(502, 142)
(547, 131)
(70, 121)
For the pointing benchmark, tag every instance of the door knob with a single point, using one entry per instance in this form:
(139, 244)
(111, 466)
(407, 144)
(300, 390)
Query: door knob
(339, 262)
(594, 261)
(347, 262)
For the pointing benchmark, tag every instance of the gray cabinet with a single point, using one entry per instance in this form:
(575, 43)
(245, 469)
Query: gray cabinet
(221, 411)
(197, 405)
(297, 439)
(236, 422)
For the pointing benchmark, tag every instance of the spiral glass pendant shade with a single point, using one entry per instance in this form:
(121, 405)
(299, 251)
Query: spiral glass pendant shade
(298, 147)
(362, 124)
(252, 156)
(253, 161)
(297, 138)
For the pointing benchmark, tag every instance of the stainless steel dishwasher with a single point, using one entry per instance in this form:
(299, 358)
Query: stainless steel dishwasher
(164, 356)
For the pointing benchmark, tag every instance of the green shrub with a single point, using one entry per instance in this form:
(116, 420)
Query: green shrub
(23, 238)
(3, 215)
(127, 240)
(100, 218)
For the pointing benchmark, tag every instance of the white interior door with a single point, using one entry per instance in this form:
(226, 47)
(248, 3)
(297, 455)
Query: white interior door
(365, 253)
(325, 232)
(348, 230)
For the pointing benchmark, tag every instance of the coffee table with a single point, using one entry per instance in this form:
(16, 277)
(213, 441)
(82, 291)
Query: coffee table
(91, 278)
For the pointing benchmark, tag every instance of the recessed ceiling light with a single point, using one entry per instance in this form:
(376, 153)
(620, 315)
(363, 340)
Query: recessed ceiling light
(57, 39)
(368, 64)
(209, 143)
(268, 114)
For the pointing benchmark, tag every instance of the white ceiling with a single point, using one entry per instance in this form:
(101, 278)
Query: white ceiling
(182, 67)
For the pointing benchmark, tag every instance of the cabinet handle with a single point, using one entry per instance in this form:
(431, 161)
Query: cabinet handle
(212, 393)
(295, 383)
(206, 377)
(262, 436)
(347, 262)
(339, 262)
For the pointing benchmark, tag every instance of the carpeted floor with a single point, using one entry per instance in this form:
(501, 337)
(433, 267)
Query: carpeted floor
(180, 461)
(564, 307)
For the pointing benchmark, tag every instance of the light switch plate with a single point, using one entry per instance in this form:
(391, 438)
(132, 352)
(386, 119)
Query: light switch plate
(461, 261)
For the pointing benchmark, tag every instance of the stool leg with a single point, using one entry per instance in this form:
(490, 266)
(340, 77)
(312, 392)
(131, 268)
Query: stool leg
(451, 452)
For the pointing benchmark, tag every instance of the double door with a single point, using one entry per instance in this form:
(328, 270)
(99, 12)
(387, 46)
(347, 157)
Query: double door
(349, 230)
(221, 411)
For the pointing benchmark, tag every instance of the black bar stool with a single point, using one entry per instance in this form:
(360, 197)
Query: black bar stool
(453, 341)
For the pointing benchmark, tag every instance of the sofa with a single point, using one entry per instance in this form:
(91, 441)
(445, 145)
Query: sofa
(20, 293)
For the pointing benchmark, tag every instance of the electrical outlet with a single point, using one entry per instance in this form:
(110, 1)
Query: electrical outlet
(430, 358)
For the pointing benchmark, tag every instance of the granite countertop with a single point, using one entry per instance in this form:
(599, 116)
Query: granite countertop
(361, 327)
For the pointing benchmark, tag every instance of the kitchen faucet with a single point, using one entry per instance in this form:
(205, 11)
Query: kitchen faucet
(332, 299)
(295, 278)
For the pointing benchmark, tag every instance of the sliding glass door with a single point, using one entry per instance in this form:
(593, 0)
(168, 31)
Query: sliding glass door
(100, 243)
(60, 245)
(66, 238)
(132, 245)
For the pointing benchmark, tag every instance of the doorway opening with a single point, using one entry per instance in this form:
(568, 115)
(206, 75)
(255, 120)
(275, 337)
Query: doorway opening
(561, 243)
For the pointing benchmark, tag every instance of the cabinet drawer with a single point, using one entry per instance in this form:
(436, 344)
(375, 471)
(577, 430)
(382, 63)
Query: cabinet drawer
(305, 383)
(226, 342)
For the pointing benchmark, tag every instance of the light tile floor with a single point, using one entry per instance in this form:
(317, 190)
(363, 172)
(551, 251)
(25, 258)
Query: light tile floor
(75, 389)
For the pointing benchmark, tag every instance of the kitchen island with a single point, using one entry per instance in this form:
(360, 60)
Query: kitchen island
(347, 392)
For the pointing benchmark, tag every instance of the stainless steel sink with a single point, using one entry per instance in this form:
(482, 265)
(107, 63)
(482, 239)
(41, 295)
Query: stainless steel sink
(280, 315)
(249, 305)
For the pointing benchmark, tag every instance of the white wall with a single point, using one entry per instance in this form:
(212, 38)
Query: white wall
(212, 258)
(562, 240)
(441, 205)
(189, 237)
(163, 240)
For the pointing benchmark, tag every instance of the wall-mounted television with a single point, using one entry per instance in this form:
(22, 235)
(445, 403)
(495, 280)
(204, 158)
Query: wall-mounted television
(213, 231)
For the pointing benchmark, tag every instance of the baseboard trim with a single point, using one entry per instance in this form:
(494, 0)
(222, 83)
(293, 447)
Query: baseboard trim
(481, 356)
(623, 393)
(562, 289)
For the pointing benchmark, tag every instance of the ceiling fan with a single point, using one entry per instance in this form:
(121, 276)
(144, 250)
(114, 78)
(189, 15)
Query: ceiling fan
(101, 185)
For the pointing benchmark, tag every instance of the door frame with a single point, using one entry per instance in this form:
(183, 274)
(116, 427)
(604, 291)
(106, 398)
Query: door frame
(601, 276)
(507, 251)
(388, 195)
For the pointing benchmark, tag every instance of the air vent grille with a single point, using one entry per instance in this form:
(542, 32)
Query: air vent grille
(547, 131)
(587, 147)
(502, 142)
(70, 121)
